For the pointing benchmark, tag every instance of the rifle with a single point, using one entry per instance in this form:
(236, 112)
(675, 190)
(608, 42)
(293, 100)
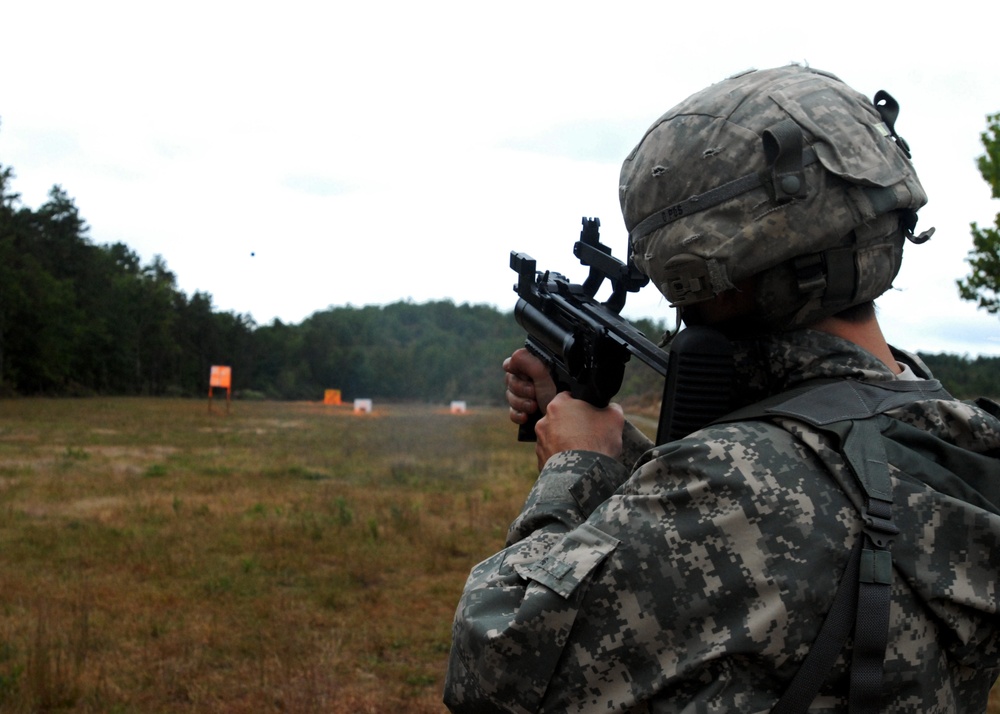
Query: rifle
(586, 344)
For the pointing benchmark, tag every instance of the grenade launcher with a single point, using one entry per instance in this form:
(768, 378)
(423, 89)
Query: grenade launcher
(586, 344)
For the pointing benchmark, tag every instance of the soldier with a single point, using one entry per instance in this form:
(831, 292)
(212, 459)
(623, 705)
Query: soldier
(698, 575)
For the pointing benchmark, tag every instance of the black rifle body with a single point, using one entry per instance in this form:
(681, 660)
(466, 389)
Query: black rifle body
(586, 343)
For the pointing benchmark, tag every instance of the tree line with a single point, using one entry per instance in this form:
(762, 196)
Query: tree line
(83, 319)
(78, 318)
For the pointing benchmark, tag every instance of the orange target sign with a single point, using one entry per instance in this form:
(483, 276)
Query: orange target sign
(220, 377)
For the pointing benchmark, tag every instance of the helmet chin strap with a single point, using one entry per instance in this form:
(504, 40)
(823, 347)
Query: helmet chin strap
(831, 274)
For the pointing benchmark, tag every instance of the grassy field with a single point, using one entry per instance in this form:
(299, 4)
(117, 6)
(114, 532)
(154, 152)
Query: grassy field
(286, 557)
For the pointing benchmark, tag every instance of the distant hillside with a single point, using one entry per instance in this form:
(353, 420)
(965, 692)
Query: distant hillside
(966, 378)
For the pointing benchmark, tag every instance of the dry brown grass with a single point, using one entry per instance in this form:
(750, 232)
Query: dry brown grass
(288, 557)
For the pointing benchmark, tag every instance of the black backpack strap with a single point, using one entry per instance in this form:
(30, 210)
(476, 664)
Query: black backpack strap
(864, 594)
(828, 645)
(865, 452)
(850, 412)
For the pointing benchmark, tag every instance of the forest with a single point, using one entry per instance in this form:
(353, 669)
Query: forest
(79, 318)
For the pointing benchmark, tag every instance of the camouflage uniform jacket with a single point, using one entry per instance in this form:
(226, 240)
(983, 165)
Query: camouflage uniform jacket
(695, 577)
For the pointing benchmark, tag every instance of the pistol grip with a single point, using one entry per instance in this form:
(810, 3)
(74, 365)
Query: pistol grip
(526, 431)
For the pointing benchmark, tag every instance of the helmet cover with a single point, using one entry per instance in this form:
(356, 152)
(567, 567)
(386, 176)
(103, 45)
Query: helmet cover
(787, 176)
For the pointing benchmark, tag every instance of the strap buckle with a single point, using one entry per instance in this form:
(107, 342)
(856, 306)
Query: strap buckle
(879, 526)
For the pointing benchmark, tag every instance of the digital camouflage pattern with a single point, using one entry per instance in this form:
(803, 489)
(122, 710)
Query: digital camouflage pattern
(695, 579)
(848, 199)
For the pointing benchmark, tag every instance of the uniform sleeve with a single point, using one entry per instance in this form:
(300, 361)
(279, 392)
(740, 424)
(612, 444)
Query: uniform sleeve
(618, 589)
(635, 445)
(519, 606)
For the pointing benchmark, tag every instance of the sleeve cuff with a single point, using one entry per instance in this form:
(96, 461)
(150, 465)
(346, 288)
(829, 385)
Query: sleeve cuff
(571, 485)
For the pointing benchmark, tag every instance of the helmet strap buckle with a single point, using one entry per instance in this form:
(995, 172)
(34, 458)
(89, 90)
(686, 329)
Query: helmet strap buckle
(831, 274)
(810, 274)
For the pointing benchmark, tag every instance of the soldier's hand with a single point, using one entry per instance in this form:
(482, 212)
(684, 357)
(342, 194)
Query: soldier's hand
(574, 424)
(530, 387)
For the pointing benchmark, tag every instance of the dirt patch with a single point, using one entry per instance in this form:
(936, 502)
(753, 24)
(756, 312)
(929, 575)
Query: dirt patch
(132, 452)
(103, 509)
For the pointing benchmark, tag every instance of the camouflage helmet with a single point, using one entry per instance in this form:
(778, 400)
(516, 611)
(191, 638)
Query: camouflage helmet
(784, 176)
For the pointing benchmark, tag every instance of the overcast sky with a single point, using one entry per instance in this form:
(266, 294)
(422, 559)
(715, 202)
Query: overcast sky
(286, 157)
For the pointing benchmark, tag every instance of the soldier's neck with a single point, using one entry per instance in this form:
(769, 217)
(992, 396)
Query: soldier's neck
(866, 334)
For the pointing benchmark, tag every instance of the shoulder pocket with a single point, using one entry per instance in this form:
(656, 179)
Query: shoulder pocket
(572, 561)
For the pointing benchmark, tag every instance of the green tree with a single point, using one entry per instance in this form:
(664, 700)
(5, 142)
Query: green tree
(983, 283)
(39, 321)
(8, 200)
